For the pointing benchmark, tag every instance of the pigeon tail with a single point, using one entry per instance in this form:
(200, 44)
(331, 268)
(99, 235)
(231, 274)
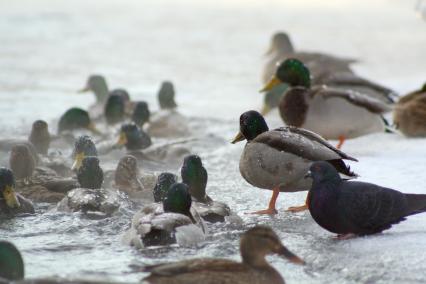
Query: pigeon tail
(416, 203)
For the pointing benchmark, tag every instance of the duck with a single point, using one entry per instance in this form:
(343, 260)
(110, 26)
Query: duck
(40, 136)
(90, 198)
(83, 147)
(97, 84)
(163, 223)
(76, 118)
(255, 244)
(164, 182)
(278, 159)
(325, 69)
(168, 122)
(22, 162)
(409, 114)
(332, 113)
(141, 114)
(353, 208)
(114, 111)
(133, 138)
(195, 176)
(12, 203)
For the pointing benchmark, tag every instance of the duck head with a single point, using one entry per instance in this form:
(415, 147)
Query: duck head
(195, 176)
(11, 262)
(97, 84)
(281, 43)
(114, 109)
(90, 174)
(261, 241)
(141, 114)
(127, 172)
(7, 185)
(164, 182)
(166, 96)
(252, 124)
(133, 138)
(178, 200)
(76, 118)
(22, 162)
(291, 71)
(40, 136)
(83, 147)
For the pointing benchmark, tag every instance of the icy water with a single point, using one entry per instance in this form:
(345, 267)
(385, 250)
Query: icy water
(212, 50)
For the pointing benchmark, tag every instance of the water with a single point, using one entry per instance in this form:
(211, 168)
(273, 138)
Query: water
(212, 50)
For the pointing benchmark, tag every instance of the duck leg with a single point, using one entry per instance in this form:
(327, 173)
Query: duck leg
(304, 207)
(271, 208)
(341, 141)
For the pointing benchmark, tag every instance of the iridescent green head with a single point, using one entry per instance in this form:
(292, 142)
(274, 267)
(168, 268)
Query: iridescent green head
(114, 109)
(90, 174)
(76, 118)
(178, 199)
(166, 96)
(83, 147)
(195, 176)
(97, 84)
(164, 182)
(291, 71)
(141, 114)
(133, 137)
(11, 262)
(252, 124)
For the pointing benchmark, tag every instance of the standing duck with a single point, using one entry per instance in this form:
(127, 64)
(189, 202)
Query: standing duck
(351, 208)
(409, 114)
(12, 203)
(332, 113)
(255, 245)
(195, 176)
(278, 159)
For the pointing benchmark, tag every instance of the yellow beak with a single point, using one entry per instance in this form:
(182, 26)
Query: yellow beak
(93, 128)
(85, 89)
(272, 83)
(77, 161)
(122, 140)
(265, 109)
(10, 197)
(239, 137)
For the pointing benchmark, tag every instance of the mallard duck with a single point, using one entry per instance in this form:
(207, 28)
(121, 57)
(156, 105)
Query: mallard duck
(90, 174)
(22, 162)
(141, 114)
(114, 109)
(195, 176)
(133, 138)
(40, 136)
(325, 69)
(164, 182)
(409, 114)
(12, 203)
(76, 118)
(351, 208)
(97, 84)
(167, 122)
(159, 223)
(255, 244)
(83, 147)
(278, 159)
(332, 113)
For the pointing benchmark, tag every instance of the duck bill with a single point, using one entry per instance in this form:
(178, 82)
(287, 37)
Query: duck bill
(77, 161)
(238, 138)
(93, 128)
(272, 83)
(122, 140)
(270, 49)
(265, 109)
(283, 251)
(10, 197)
(84, 90)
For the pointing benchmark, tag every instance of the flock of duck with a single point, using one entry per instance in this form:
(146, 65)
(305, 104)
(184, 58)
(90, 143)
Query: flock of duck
(319, 97)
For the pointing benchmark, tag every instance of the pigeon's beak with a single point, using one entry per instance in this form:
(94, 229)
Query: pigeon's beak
(308, 175)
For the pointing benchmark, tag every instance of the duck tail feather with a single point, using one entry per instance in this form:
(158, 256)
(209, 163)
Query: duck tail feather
(342, 168)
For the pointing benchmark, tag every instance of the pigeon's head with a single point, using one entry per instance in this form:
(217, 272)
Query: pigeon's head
(323, 171)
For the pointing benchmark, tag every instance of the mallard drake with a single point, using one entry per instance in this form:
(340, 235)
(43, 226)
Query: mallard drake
(22, 162)
(255, 244)
(167, 122)
(114, 109)
(332, 113)
(133, 138)
(12, 203)
(40, 136)
(90, 174)
(409, 114)
(278, 159)
(195, 176)
(351, 208)
(325, 69)
(83, 147)
(76, 118)
(141, 114)
(164, 182)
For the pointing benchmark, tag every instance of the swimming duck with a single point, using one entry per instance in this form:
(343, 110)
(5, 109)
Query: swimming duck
(409, 114)
(195, 176)
(351, 208)
(22, 162)
(76, 118)
(40, 136)
(97, 84)
(255, 244)
(114, 109)
(159, 223)
(12, 203)
(83, 147)
(278, 159)
(133, 138)
(332, 113)
(167, 122)
(325, 69)
(164, 182)
(141, 114)
(91, 198)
